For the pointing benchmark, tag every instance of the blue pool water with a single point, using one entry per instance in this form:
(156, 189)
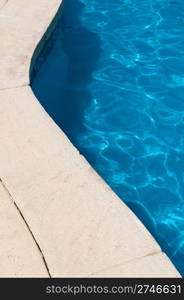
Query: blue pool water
(112, 77)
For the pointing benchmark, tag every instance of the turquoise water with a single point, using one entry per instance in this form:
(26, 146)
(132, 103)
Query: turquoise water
(112, 77)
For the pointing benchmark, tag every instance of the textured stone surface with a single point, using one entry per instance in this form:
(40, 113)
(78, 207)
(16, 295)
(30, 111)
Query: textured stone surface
(81, 226)
(19, 256)
(149, 266)
(22, 25)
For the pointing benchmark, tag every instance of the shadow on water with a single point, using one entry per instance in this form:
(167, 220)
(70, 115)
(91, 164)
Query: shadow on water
(61, 84)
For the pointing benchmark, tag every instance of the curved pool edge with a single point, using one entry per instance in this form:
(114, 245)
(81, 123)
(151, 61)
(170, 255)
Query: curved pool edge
(82, 228)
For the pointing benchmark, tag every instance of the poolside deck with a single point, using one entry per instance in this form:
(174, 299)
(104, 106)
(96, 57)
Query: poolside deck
(58, 217)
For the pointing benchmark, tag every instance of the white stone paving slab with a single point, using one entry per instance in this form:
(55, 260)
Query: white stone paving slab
(19, 255)
(156, 265)
(22, 25)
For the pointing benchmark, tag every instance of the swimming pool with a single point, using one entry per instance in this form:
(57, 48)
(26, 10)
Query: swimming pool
(112, 77)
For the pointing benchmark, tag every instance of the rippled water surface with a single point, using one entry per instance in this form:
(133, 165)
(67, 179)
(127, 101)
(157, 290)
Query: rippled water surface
(112, 77)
